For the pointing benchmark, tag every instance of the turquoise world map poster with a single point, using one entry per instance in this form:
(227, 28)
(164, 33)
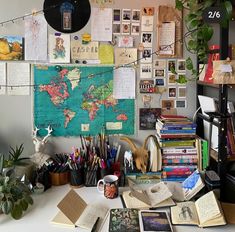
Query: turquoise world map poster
(78, 100)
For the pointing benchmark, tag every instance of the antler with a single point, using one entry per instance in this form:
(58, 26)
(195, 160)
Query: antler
(49, 130)
(35, 134)
(132, 145)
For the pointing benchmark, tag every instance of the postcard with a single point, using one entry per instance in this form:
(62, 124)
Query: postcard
(148, 118)
(125, 56)
(159, 63)
(147, 86)
(168, 104)
(11, 47)
(125, 41)
(147, 23)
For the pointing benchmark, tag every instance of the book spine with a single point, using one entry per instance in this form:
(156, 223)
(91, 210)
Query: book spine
(177, 143)
(205, 154)
(179, 168)
(179, 156)
(179, 151)
(177, 131)
(176, 136)
(179, 161)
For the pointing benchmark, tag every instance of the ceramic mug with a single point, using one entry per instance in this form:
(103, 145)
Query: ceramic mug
(109, 186)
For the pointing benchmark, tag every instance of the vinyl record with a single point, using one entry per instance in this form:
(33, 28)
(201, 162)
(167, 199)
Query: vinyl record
(67, 16)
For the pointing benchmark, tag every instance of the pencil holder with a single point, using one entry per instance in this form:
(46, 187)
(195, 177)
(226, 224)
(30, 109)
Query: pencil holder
(59, 178)
(91, 178)
(77, 177)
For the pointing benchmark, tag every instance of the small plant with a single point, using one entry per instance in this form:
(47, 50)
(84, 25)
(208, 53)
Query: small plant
(14, 156)
(14, 196)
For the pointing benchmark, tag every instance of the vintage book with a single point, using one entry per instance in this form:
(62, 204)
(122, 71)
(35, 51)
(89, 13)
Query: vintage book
(179, 151)
(188, 188)
(151, 220)
(204, 212)
(129, 201)
(74, 212)
(124, 220)
(150, 194)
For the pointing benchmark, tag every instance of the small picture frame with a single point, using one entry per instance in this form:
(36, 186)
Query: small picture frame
(180, 103)
(116, 15)
(181, 65)
(146, 55)
(135, 15)
(172, 92)
(126, 28)
(171, 64)
(135, 29)
(181, 92)
(159, 64)
(171, 77)
(126, 15)
(147, 39)
(168, 104)
(159, 72)
(160, 82)
(116, 28)
(145, 71)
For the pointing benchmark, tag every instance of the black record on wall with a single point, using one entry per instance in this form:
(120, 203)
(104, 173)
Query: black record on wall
(67, 16)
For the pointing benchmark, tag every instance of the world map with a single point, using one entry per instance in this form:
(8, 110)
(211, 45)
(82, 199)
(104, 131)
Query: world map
(78, 100)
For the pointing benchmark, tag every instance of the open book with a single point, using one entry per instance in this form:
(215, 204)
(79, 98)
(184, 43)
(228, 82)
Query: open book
(157, 195)
(187, 189)
(204, 212)
(75, 212)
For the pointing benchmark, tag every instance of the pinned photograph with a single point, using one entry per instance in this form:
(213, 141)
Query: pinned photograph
(126, 15)
(146, 55)
(160, 82)
(159, 72)
(147, 23)
(135, 29)
(148, 11)
(135, 15)
(116, 28)
(172, 79)
(126, 28)
(171, 65)
(159, 63)
(182, 92)
(145, 71)
(148, 118)
(147, 39)
(172, 92)
(116, 15)
(180, 104)
(181, 66)
(168, 104)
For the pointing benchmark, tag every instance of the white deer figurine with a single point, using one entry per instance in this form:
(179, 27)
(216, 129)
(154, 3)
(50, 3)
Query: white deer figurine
(39, 157)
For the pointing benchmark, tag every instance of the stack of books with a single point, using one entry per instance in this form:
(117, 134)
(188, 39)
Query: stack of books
(176, 136)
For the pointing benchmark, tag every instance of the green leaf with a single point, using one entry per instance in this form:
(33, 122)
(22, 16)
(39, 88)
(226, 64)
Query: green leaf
(17, 212)
(179, 5)
(182, 79)
(24, 204)
(28, 199)
(7, 206)
(228, 8)
(189, 63)
(172, 69)
(193, 24)
(207, 32)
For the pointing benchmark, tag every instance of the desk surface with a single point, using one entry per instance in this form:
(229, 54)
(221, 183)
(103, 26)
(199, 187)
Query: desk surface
(38, 217)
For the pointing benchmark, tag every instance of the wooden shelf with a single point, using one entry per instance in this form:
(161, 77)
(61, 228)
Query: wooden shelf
(214, 85)
(214, 155)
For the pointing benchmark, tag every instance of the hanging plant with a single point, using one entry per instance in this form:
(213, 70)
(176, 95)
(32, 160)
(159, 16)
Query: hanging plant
(199, 33)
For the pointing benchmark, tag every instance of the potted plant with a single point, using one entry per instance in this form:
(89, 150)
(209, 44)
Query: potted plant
(14, 195)
(198, 32)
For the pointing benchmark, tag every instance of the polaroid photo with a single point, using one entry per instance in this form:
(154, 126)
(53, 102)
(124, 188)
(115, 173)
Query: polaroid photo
(181, 92)
(116, 28)
(181, 79)
(116, 15)
(171, 64)
(172, 92)
(159, 64)
(148, 11)
(135, 15)
(146, 55)
(126, 28)
(126, 15)
(147, 23)
(159, 72)
(160, 82)
(181, 104)
(135, 29)
(152, 220)
(146, 71)
(168, 104)
(147, 39)
(181, 66)
(171, 77)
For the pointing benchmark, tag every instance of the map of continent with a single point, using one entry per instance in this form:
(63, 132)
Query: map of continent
(69, 97)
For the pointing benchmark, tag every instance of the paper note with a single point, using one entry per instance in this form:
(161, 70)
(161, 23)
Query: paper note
(36, 38)
(18, 78)
(2, 78)
(147, 23)
(59, 48)
(101, 24)
(125, 56)
(106, 54)
(124, 83)
(113, 125)
(166, 43)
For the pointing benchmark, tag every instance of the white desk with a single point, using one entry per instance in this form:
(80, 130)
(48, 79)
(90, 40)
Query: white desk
(37, 218)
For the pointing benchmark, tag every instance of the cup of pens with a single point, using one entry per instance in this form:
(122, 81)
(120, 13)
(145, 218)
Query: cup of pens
(77, 177)
(59, 178)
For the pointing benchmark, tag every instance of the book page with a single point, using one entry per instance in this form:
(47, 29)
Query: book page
(90, 215)
(207, 207)
(184, 213)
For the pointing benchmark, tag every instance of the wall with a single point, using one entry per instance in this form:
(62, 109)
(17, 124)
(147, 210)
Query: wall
(16, 111)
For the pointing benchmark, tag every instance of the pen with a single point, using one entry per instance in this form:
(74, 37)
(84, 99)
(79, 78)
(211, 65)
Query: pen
(95, 225)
